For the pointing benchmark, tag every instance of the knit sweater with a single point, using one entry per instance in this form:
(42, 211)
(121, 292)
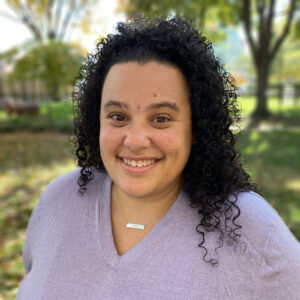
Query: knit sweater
(69, 251)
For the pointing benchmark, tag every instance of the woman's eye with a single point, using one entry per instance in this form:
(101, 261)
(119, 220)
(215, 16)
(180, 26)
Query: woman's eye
(117, 117)
(161, 119)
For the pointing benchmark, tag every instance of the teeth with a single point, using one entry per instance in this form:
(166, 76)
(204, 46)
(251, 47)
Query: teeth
(140, 163)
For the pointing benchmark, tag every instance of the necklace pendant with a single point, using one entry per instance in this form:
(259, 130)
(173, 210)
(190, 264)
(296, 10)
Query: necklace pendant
(135, 226)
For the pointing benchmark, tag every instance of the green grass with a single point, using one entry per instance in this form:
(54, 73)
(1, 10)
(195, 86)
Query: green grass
(272, 158)
(248, 104)
(286, 114)
(30, 161)
(55, 116)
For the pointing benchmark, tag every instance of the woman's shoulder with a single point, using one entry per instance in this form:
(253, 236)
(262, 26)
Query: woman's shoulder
(268, 237)
(63, 180)
(253, 205)
(261, 223)
(61, 196)
(64, 190)
(68, 182)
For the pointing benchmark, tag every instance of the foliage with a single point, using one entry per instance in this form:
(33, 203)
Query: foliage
(296, 29)
(204, 14)
(286, 66)
(30, 161)
(9, 55)
(258, 20)
(51, 19)
(56, 64)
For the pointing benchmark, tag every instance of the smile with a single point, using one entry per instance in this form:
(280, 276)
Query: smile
(138, 163)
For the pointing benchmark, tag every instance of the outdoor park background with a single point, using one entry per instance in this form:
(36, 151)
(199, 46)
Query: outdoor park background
(43, 44)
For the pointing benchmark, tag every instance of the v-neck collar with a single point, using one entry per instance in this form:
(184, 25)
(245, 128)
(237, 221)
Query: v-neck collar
(105, 235)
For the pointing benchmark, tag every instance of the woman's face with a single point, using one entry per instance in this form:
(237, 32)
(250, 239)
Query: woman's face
(145, 133)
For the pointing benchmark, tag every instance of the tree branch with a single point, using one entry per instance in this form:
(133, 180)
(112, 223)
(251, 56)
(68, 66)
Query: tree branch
(57, 16)
(77, 9)
(246, 15)
(271, 14)
(285, 31)
(23, 14)
(260, 7)
(65, 24)
(49, 20)
(270, 19)
(9, 17)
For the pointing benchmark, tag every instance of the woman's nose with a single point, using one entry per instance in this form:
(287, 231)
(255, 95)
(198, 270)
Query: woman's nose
(137, 137)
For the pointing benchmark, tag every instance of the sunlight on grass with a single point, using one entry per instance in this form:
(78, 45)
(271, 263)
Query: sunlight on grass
(28, 163)
(247, 104)
(293, 185)
(295, 213)
(272, 159)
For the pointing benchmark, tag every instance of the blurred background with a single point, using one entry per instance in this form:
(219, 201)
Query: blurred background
(44, 43)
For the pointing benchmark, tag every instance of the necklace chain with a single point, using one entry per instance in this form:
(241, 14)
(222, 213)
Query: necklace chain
(139, 226)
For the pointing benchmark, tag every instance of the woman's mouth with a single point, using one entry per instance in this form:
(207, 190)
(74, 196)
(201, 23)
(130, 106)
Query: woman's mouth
(138, 165)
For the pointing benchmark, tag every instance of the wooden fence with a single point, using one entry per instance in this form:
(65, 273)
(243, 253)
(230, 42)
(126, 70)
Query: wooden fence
(28, 91)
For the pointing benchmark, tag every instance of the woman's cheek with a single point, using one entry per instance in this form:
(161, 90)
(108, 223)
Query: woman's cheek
(110, 137)
(169, 137)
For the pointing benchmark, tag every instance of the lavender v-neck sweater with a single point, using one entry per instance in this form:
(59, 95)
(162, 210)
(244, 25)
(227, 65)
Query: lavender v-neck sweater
(69, 252)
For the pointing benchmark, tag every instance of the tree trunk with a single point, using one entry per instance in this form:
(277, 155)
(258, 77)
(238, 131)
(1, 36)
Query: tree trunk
(55, 93)
(261, 110)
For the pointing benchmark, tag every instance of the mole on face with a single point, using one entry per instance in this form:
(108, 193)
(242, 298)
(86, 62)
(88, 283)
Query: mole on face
(138, 107)
(154, 95)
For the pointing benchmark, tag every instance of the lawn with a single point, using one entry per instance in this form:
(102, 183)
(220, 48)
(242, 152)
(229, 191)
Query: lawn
(28, 162)
(284, 114)
(288, 108)
(56, 116)
(272, 158)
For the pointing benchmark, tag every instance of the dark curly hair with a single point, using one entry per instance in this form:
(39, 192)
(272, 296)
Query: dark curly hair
(213, 175)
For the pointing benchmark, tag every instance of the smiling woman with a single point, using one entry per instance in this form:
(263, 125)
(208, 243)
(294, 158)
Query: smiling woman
(160, 197)
(149, 130)
(147, 147)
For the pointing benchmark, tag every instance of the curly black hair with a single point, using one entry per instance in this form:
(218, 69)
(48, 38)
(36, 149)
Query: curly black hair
(213, 176)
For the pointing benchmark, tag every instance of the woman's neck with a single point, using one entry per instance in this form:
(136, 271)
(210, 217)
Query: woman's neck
(142, 209)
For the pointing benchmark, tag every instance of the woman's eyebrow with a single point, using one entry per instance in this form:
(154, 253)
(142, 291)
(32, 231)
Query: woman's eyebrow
(168, 104)
(156, 105)
(115, 103)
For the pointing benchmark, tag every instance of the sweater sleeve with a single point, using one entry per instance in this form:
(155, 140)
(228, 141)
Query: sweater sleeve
(280, 266)
(32, 235)
(47, 212)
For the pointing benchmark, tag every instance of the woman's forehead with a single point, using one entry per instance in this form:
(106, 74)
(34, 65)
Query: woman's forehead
(133, 82)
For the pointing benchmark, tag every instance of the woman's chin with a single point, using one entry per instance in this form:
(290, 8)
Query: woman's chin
(134, 189)
(138, 192)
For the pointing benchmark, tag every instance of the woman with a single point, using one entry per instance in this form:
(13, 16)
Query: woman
(161, 207)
